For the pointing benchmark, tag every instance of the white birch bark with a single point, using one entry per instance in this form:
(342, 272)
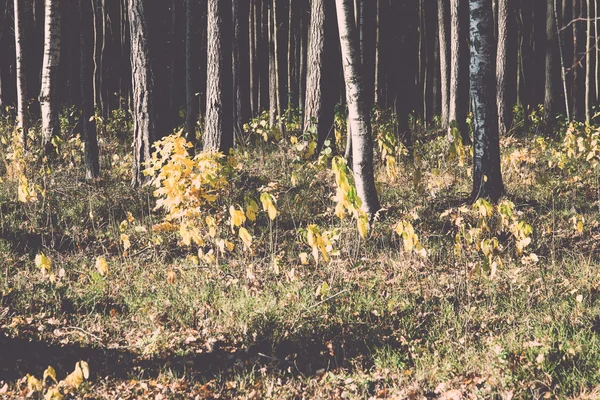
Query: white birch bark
(22, 119)
(359, 122)
(48, 93)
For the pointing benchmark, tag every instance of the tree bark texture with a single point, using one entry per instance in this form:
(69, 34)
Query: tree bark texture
(459, 74)
(144, 113)
(49, 92)
(21, 68)
(487, 177)
(86, 79)
(358, 114)
(219, 84)
(443, 57)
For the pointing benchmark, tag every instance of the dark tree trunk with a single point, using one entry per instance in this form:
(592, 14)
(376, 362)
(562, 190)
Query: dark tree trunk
(549, 70)
(241, 74)
(191, 101)
(487, 176)
(443, 57)
(459, 72)
(86, 79)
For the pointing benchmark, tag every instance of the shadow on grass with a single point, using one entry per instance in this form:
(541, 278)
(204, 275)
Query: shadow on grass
(304, 354)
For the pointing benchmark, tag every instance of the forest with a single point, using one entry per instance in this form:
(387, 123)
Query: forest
(300, 199)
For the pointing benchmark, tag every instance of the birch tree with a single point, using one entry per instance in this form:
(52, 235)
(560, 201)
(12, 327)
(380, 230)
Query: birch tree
(22, 118)
(358, 113)
(487, 177)
(49, 90)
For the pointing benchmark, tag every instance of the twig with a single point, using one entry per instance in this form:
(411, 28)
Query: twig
(326, 300)
(76, 328)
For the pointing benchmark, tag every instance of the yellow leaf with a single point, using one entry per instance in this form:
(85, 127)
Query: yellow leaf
(303, 258)
(102, 266)
(310, 150)
(126, 242)
(171, 276)
(43, 263)
(77, 377)
(363, 226)
(230, 246)
(251, 209)
(267, 201)
(246, 237)
(237, 217)
(53, 394)
(33, 384)
(49, 373)
(322, 290)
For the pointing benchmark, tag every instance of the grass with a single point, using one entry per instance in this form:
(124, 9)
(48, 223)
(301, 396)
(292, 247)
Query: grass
(390, 325)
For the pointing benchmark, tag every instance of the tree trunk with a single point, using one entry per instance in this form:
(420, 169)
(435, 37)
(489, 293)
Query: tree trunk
(459, 92)
(49, 91)
(273, 81)
(487, 176)
(549, 67)
(302, 63)
(191, 100)
(562, 62)
(144, 113)
(22, 114)
(86, 79)
(443, 56)
(359, 118)
(588, 63)
(219, 84)
(502, 66)
(241, 74)
(313, 105)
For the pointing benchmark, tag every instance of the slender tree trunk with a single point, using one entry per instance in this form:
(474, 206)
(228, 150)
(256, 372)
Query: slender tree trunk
(22, 114)
(313, 105)
(549, 67)
(459, 93)
(241, 74)
(597, 65)
(362, 154)
(219, 101)
(562, 61)
(144, 113)
(443, 56)
(273, 81)
(576, 64)
(588, 63)
(191, 114)
(86, 79)
(49, 92)
(252, 55)
(487, 176)
(302, 63)
(502, 65)
(290, 52)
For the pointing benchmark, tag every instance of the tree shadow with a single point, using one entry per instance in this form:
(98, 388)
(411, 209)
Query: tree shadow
(304, 353)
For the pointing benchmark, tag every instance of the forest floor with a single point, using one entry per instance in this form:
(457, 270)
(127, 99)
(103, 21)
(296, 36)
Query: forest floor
(472, 304)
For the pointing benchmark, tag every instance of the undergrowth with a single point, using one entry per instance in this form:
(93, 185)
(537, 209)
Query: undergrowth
(257, 275)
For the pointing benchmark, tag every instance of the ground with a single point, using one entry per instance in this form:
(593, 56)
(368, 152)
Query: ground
(461, 301)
